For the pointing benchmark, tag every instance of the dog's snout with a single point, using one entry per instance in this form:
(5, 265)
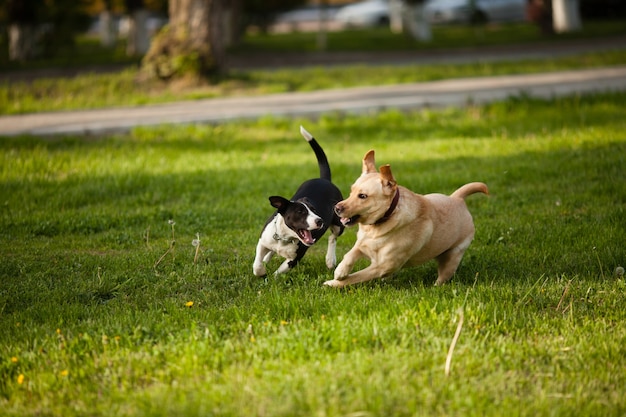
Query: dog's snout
(319, 222)
(338, 209)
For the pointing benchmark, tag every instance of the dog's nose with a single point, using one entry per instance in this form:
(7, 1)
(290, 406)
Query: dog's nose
(319, 222)
(338, 209)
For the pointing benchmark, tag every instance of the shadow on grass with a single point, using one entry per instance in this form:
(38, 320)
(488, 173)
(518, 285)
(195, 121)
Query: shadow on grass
(549, 212)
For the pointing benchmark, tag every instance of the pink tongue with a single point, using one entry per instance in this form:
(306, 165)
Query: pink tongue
(307, 238)
(345, 220)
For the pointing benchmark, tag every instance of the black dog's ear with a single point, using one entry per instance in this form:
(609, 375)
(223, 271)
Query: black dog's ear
(279, 202)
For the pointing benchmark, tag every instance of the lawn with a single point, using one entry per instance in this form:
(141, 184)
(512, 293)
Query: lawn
(106, 307)
(121, 88)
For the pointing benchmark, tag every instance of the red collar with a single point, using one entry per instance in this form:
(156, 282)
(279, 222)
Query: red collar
(392, 207)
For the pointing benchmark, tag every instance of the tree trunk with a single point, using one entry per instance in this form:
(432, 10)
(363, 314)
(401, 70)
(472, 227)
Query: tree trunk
(322, 35)
(231, 23)
(22, 42)
(417, 24)
(566, 15)
(538, 12)
(24, 39)
(107, 31)
(138, 41)
(395, 16)
(192, 44)
(200, 20)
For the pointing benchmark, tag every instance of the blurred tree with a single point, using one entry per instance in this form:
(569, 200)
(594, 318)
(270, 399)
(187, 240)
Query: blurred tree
(322, 37)
(192, 44)
(602, 9)
(40, 27)
(107, 30)
(136, 22)
(137, 42)
(540, 13)
(566, 15)
(408, 16)
(262, 13)
(22, 20)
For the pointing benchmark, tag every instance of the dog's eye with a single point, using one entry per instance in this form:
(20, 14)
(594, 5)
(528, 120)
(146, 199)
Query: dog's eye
(362, 196)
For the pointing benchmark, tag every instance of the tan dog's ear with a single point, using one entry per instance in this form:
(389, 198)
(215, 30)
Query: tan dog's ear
(387, 176)
(369, 165)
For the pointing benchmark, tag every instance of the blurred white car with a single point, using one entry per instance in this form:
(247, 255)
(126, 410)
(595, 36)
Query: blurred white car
(458, 11)
(367, 13)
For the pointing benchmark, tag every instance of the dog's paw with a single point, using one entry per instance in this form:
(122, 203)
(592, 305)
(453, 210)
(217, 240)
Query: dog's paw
(284, 267)
(334, 283)
(341, 272)
(331, 262)
(259, 271)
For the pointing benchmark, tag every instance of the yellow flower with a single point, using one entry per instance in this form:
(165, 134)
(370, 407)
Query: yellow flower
(14, 359)
(20, 379)
(284, 323)
(65, 372)
(189, 304)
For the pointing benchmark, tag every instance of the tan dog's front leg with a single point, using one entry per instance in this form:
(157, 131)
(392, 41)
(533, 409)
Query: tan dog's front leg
(367, 274)
(382, 264)
(347, 263)
(345, 266)
(374, 270)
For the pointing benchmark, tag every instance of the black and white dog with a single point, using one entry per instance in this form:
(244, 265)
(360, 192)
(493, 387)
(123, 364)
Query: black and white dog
(300, 222)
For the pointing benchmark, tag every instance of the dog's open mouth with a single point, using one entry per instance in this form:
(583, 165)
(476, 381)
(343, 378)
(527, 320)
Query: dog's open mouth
(306, 237)
(349, 221)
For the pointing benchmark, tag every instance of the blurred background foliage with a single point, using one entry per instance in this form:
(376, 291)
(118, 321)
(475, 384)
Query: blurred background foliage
(55, 33)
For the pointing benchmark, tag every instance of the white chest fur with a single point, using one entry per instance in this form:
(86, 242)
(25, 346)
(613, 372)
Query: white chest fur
(279, 238)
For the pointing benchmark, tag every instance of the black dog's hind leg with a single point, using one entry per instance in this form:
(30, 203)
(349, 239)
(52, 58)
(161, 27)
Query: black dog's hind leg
(331, 257)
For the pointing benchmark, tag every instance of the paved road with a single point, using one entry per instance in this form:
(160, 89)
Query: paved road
(446, 93)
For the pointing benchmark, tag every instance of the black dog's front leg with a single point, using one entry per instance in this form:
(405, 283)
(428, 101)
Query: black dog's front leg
(289, 264)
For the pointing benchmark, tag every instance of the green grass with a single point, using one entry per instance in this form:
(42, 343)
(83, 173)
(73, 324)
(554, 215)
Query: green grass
(121, 89)
(96, 321)
(86, 51)
(91, 90)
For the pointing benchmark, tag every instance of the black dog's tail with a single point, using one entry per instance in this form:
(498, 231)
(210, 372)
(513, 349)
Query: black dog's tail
(322, 161)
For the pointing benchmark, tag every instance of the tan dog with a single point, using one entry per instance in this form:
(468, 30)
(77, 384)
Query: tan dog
(399, 228)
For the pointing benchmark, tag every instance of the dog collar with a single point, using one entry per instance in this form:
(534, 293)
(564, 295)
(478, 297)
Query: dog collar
(392, 207)
(284, 240)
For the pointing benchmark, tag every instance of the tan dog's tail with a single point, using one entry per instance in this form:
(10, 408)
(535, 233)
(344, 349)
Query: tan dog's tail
(469, 189)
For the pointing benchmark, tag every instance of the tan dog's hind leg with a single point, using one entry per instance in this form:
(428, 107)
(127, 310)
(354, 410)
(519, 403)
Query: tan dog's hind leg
(449, 262)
